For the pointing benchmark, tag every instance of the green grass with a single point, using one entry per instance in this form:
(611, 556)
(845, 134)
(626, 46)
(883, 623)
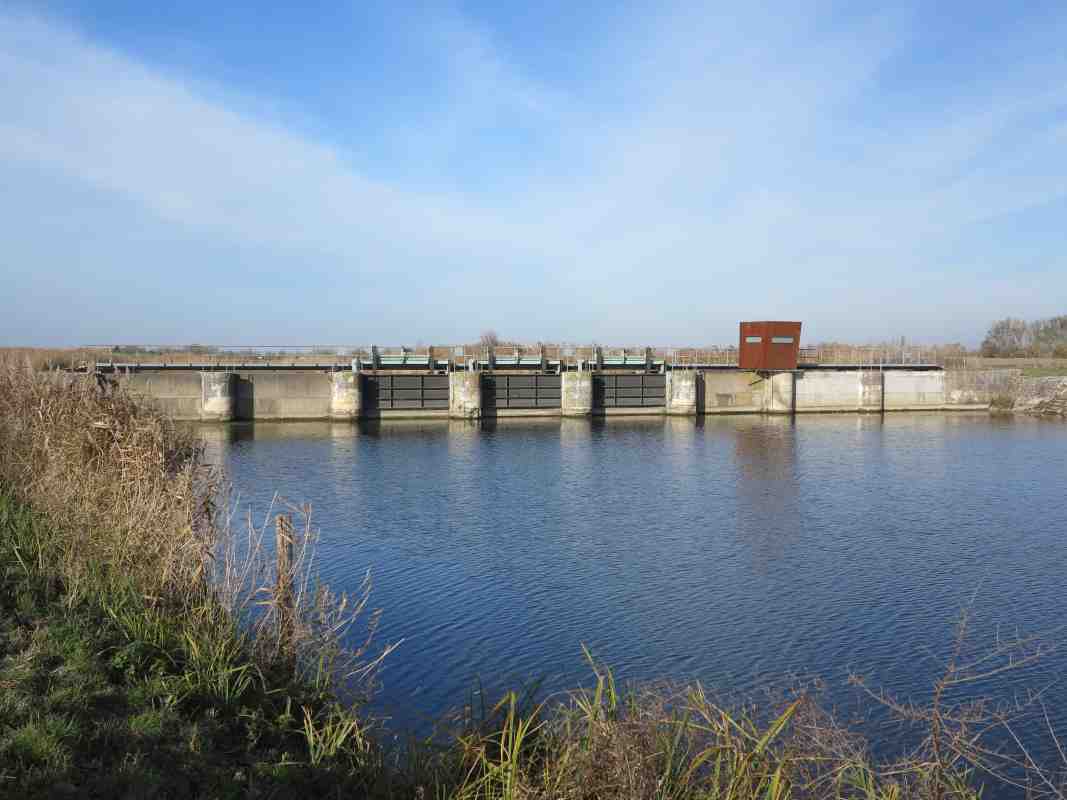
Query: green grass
(93, 705)
(1044, 372)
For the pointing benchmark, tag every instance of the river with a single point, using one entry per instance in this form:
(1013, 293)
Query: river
(742, 551)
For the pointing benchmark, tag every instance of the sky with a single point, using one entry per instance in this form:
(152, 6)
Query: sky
(628, 174)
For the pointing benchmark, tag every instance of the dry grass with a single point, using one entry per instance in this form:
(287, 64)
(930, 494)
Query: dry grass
(122, 482)
(44, 358)
(139, 521)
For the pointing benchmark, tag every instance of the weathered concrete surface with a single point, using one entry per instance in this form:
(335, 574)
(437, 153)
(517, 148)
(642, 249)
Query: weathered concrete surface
(284, 395)
(914, 391)
(1042, 396)
(217, 400)
(778, 393)
(345, 396)
(576, 394)
(320, 394)
(464, 395)
(525, 413)
(682, 392)
(733, 392)
(410, 414)
(859, 390)
(829, 390)
(177, 394)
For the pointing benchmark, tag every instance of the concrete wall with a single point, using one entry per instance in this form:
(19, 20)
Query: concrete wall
(778, 393)
(733, 392)
(829, 390)
(257, 394)
(178, 394)
(859, 390)
(317, 394)
(284, 394)
(914, 391)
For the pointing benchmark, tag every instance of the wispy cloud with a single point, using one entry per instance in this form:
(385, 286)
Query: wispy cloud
(707, 166)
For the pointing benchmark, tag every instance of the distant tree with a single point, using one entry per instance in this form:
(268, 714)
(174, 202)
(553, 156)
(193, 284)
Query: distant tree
(1049, 335)
(1006, 337)
(1014, 337)
(489, 339)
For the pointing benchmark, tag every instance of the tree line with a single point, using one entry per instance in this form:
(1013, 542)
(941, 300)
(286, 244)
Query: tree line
(1016, 337)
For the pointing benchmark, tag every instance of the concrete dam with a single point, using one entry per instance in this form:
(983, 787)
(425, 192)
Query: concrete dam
(221, 393)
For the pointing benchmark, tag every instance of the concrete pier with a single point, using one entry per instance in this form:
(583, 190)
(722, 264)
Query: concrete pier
(345, 396)
(465, 395)
(682, 392)
(576, 394)
(217, 396)
(778, 393)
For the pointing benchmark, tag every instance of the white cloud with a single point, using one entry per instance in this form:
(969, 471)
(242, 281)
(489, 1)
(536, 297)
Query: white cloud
(735, 165)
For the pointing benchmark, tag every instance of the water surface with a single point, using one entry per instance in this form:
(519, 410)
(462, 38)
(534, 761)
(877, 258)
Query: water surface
(740, 551)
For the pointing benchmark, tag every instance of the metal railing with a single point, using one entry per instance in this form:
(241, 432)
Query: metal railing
(550, 356)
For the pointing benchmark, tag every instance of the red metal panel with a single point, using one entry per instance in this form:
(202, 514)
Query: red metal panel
(769, 345)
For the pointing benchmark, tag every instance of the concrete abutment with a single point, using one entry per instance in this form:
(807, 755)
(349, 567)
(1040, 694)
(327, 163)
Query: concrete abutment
(218, 398)
(345, 396)
(465, 395)
(682, 392)
(576, 394)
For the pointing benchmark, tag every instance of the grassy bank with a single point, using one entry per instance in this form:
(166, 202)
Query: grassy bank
(102, 697)
(148, 648)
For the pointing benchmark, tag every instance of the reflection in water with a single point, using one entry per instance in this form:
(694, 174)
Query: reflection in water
(737, 550)
(767, 494)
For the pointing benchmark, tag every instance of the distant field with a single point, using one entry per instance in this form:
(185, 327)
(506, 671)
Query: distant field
(980, 362)
(1045, 372)
(43, 357)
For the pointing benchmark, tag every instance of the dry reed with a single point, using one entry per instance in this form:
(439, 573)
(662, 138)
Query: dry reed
(133, 506)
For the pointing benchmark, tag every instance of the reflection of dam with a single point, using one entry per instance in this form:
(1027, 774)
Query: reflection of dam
(345, 394)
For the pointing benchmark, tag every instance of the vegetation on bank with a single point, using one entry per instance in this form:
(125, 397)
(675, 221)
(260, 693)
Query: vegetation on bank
(144, 652)
(102, 697)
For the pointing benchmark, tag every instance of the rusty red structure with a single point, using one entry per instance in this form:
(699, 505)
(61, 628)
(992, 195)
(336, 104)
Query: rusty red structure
(769, 345)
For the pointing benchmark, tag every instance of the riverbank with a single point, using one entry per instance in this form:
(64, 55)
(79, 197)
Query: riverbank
(101, 698)
(133, 663)
(1044, 396)
(141, 653)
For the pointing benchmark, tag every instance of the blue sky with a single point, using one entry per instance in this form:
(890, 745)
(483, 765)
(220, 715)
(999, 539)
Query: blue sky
(620, 173)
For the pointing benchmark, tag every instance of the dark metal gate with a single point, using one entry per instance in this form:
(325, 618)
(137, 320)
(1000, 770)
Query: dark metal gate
(384, 392)
(520, 391)
(629, 391)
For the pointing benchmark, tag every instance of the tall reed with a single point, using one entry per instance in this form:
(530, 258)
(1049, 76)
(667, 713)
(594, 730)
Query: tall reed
(141, 520)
